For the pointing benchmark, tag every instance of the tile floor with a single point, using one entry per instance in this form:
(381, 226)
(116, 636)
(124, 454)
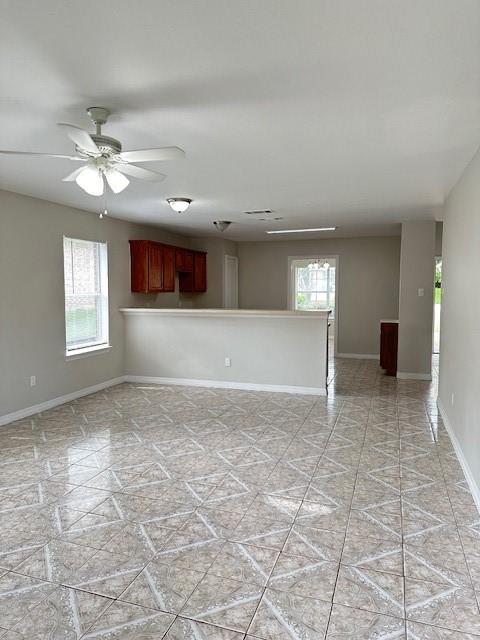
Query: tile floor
(199, 514)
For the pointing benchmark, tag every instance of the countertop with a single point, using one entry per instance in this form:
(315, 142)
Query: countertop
(227, 313)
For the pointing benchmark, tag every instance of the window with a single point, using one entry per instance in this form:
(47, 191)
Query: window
(86, 295)
(313, 284)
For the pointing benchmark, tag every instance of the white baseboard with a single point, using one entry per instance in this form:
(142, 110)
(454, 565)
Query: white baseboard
(402, 375)
(474, 488)
(247, 386)
(359, 356)
(55, 402)
(223, 384)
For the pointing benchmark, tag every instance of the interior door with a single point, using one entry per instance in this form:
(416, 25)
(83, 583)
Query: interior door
(230, 283)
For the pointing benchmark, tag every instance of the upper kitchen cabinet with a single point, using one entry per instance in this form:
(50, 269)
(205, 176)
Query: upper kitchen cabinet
(199, 271)
(183, 260)
(168, 267)
(195, 280)
(153, 266)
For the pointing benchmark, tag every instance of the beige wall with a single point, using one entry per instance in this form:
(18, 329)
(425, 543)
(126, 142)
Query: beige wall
(438, 238)
(217, 248)
(32, 326)
(460, 320)
(417, 271)
(368, 282)
(287, 350)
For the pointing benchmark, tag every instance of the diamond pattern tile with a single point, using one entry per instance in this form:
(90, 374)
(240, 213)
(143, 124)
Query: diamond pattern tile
(198, 514)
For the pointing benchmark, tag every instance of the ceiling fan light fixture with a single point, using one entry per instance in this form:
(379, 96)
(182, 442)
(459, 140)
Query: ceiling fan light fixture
(179, 205)
(116, 180)
(91, 181)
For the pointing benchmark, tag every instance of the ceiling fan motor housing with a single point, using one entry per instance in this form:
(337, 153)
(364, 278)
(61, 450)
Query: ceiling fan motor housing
(108, 146)
(99, 115)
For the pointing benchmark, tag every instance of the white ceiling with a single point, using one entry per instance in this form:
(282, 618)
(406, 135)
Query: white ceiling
(345, 112)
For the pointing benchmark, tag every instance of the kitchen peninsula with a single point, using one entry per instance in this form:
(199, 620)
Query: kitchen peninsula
(230, 348)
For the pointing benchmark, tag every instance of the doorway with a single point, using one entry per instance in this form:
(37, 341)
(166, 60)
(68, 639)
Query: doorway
(230, 282)
(437, 305)
(313, 286)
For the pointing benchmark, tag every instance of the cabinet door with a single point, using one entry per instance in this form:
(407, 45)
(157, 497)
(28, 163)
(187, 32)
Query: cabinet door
(389, 347)
(188, 266)
(180, 259)
(199, 272)
(139, 266)
(185, 282)
(155, 267)
(168, 268)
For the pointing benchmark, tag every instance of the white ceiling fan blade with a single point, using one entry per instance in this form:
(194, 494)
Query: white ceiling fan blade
(140, 172)
(90, 180)
(80, 137)
(73, 176)
(153, 155)
(116, 180)
(43, 155)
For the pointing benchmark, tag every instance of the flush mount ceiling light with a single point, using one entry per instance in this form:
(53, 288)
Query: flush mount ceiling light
(179, 204)
(222, 225)
(302, 230)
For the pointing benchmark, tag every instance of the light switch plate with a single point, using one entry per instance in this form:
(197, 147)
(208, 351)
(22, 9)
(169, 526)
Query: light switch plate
(421, 292)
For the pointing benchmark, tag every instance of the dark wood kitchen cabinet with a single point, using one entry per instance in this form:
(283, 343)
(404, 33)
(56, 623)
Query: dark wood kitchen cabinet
(183, 260)
(153, 266)
(195, 280)
(199, 271)
(168, 267)
(389, 346)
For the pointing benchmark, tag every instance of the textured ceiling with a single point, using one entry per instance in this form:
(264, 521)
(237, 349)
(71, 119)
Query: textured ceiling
(352, 113)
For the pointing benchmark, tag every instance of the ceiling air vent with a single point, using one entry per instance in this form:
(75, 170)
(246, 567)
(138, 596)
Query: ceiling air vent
(262, 215)
(258, 212)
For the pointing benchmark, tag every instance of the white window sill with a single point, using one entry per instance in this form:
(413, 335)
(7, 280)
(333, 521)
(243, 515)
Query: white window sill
(87, 351)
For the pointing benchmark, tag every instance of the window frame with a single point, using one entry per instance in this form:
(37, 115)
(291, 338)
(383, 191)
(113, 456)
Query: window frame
(291, 289)
(92, 347)
(326, 291)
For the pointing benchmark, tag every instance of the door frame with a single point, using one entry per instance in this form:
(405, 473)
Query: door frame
(436, 259)
(291, 290)
(226, 259)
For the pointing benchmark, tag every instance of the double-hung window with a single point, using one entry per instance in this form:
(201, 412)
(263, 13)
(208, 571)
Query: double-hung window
(86, 295)
(313, 284)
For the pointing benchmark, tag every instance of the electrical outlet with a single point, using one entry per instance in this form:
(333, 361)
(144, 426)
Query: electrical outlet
(33, 381)
(421, 292)
(228, 362)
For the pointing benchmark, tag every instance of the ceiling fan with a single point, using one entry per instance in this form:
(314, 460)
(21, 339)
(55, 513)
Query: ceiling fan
(102, 157)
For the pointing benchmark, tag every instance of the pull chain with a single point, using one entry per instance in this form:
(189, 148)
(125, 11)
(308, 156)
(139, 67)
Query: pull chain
(105, 210)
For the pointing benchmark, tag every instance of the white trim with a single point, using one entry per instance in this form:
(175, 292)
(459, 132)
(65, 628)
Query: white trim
(228, 313)
(359, 356)
(75, 354)
(403, 375)
(474, 488)
(55, 402)
(104, 316)
(291, 294)
(227, 384)
(226, 259)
